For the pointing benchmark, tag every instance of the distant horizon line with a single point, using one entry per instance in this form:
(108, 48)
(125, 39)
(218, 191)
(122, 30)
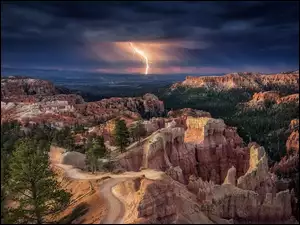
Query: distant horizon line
(132, 74)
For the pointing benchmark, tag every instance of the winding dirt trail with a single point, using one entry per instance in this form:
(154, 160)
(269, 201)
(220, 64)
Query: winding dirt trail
(116, 208)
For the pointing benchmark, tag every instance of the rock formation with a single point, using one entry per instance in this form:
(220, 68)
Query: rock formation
(75, 159)
(231, 177)
(214, 175)
(252, 81)
(253, 199)
(34, 100)
(261, 100)
(18, 86)
(147, 201)
(290, 162)
(217, 148)
(188, 112)
(292, 143)
(207, 142)
(163, 150)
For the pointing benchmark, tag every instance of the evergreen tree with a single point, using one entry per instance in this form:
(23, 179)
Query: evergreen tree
(91, 159)
(121, 135)
(99, 146)
(32, 184)
(137, 131)
(96, 151)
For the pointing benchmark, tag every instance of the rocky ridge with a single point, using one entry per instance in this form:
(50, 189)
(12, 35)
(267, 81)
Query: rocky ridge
(245, 80)
(36, 101)
(261, 100)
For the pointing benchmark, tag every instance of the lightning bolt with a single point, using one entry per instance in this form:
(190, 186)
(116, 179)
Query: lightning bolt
(142, 54)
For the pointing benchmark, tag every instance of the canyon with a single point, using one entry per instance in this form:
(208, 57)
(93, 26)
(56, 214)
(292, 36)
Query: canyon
(229, 182)
(188, 167)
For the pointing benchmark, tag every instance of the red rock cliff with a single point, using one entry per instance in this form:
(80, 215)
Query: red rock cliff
(241, 80)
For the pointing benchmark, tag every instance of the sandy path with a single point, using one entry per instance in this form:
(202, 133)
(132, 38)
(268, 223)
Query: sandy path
(116, 209)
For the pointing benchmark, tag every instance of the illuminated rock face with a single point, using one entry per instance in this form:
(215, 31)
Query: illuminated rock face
(251, 81)
(163, 150)
(260, 100)
(148, 201)
(292, 143)
(213, 175)
(207, 149)
(217, 148)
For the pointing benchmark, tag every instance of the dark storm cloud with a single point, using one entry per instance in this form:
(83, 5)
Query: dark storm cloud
(235, 35)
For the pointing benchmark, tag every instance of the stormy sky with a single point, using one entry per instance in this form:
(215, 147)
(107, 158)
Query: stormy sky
(177, 37)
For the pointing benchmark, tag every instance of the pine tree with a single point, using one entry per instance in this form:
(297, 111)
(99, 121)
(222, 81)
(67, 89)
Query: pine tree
(99, 146)
(92, 159)
(121, 135)
(137, 130)
(32, 184)
(96, 150)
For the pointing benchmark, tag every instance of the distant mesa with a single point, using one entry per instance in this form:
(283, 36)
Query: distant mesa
(244, 80)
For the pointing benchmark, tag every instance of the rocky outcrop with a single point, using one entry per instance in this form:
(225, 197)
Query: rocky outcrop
(207, 148)
(273, 96)
(147, 201)
(294, 98)
(53, 112)
(286, 164)
(292, 144)
(168, 201)
(33, 100)
(188, 112)
(176, 174)
(75, 159)
(252, 81)
(217, 148)
(163, 150)
(153, 125)
(231, 177)
(228, 201)
(146, 105)
(258, 178)
(262, 100)
(70, 98)
(294, 125)
(18, 86)
(290, 162)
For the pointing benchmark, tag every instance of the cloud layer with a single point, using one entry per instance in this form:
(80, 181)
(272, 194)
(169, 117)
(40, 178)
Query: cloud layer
(190, 37)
